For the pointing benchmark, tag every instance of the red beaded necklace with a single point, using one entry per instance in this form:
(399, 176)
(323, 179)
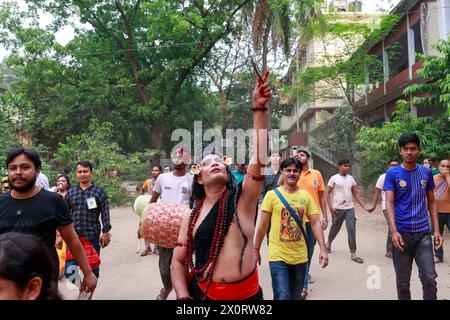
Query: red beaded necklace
(216, 244)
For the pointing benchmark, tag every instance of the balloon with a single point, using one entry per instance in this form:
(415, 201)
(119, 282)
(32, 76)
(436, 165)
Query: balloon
(140, 203)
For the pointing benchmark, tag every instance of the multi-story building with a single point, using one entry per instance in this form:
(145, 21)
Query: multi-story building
(421, 24)
(301, 125)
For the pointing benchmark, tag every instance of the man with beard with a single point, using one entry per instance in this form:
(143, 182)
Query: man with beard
(174, 187)
(32, 210)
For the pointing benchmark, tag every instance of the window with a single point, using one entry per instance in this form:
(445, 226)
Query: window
(417, 38)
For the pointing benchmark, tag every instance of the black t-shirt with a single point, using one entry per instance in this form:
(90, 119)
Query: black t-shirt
(40, 215)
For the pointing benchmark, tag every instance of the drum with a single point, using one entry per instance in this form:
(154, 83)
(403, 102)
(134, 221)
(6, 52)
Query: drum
(140, 203)
(162, 223)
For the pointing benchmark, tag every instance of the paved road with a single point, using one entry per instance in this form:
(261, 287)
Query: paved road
(126, 275)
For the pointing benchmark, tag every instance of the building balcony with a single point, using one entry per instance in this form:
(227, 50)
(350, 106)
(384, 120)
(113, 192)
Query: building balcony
(300, 113)
(394, 90)
(286, 123)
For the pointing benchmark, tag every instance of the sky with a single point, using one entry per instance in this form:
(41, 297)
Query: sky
(66, 34)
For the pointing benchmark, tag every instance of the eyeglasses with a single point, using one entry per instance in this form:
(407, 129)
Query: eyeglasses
(291, 170)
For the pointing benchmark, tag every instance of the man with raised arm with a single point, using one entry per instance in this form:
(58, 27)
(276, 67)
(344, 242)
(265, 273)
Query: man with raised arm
(221, 227)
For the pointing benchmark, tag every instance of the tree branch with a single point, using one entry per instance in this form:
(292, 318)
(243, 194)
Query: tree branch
(134, 64)
(186, 71)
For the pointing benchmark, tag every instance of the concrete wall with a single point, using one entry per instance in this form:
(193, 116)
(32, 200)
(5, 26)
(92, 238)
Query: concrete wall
(324, 167)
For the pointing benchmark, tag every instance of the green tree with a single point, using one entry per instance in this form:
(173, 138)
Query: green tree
(273, 22)
(8, 130)
(338, 75)
(97, 145)
(134, 66)
(436, 91)
(380, 144)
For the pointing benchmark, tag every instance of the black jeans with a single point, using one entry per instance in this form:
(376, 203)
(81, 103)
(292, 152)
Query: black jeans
(389, 236)
(444, 220)
(418, 246)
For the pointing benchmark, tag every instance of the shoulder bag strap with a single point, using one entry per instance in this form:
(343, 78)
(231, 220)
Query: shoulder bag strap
(292, 213)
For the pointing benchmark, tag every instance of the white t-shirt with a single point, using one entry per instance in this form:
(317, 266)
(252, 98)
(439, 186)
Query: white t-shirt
(342, 196)
(173, 188)
(380, 185)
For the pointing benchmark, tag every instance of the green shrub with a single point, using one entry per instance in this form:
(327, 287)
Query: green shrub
(97, 145)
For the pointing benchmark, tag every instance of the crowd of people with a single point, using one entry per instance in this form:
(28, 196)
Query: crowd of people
(64, 219)
(48, 233)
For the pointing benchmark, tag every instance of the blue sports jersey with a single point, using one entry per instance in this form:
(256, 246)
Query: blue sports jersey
(410, 199)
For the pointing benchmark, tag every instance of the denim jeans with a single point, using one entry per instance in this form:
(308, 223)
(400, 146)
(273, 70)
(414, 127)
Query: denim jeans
(350, 222)
(389, 236)
(287, 280)
(311, 243)
(444, 220)
(417, 246)
(69, 271)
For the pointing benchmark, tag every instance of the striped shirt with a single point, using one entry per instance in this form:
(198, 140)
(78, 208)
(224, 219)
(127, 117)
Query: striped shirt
(410, 189)
(86, 206)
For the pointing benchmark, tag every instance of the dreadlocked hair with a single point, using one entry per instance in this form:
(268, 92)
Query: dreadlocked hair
(224, 210)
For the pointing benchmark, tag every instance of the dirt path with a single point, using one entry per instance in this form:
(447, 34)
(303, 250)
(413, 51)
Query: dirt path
(126, 275)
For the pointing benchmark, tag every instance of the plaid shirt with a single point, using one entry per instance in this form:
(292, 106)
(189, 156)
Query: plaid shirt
(270, 183)
(86, 221)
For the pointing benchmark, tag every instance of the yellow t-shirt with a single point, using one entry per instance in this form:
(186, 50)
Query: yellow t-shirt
(286, 241)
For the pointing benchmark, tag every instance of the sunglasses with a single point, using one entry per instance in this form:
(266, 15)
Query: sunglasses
(195, 169)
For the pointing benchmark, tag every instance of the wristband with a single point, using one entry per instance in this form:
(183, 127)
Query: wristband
(258, 178)
(258, 109)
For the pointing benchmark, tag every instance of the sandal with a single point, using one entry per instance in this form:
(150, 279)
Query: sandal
(304, 294)
(147, 251)
(358, 260)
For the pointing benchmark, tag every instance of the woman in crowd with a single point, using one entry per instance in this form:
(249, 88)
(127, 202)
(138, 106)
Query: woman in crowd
(26, 269)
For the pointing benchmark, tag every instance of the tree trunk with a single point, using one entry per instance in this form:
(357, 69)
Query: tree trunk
(157, 136)
(265, 54)
(126, 140)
